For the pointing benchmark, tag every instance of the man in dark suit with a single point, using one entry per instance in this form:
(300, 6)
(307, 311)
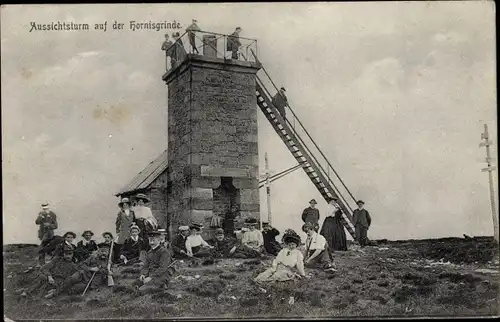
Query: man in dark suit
(361, 221)
(47, 220)
(311, 214)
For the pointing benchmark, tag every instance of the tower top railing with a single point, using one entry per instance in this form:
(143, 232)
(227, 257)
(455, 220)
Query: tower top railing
(206, 43)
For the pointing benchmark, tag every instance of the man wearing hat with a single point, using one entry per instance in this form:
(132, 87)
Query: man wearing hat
(47, 222)
(85, 246)
(135, 248)
(167, 47)
(311, 214)
(253, 241)
(316, 254)
(191, 35)
(233, 43)
(280, 101)
(224, 246)
(269, 234)
(361, 221)
(54, 274)
(179, 242)
(124, 220)
(156, 272)
(144, 216)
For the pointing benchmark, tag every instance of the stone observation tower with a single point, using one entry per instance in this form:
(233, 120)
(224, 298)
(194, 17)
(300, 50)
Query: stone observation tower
(213, 159)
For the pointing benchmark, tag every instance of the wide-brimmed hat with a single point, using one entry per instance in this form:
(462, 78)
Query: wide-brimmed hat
(107, 233)
(219, 231)
(360, 202)
(143, 197)
(251, 221)
(134, 226)
(124, 200)
(196, 226)
(291, 236)
(88, 232)
(313, 201)
(69, 233)
(283, 89)
(264, 224)
(45, 205)
(181, 228)
(238, 28)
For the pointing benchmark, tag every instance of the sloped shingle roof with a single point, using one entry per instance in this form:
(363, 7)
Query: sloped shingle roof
(144, 178)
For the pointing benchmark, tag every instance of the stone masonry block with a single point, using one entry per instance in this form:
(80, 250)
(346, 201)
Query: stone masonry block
(249, 196)
(200, 216)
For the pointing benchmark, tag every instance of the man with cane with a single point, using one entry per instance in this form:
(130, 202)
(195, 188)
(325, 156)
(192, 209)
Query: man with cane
(96, 267)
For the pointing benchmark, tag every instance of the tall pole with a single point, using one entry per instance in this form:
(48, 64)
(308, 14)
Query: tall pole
(487, 143)
(268, 190)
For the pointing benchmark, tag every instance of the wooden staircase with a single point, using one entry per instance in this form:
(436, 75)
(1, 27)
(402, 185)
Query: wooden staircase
(304, 156)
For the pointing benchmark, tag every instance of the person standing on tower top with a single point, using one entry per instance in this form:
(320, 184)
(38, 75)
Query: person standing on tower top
(47, 222)
(190, 30)
(167, 47)
(311, 215)
(233, 43)
(280, 101)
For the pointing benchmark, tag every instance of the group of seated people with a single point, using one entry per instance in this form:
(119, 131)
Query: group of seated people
(76, 268)
(132, 250)
(75, 265)
(189, 243)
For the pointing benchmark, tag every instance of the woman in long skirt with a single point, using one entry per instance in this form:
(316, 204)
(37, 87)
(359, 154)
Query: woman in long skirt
(333, 229)
(289, 264)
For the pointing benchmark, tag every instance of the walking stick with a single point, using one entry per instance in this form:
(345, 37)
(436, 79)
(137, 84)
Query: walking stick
(111, 282)
(90, 282)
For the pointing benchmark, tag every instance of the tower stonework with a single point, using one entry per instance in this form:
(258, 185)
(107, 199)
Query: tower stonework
(212, 141)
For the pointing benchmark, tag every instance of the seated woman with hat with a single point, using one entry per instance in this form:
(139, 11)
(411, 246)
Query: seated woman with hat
(316, 254)
(144, 216)
(289, 264)
(252, 239)
(85, 246)
(134, 249)
(195, 244)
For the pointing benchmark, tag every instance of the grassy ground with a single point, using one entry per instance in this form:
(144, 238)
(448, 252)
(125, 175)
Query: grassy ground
(403, 278)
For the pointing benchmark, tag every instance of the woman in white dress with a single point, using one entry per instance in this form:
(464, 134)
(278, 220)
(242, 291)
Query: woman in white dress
(288, 264)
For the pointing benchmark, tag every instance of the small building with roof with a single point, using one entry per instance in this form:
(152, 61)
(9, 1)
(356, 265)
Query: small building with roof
(153, 182)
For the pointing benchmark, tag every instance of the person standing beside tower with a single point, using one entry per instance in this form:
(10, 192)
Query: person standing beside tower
(311, 215)
(47, 222)
(362, 221)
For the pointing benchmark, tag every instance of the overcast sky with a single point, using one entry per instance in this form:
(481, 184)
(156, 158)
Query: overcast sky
(396, 95)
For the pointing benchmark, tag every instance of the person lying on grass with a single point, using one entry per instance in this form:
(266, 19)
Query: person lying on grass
(54, 274)
(289, 264)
